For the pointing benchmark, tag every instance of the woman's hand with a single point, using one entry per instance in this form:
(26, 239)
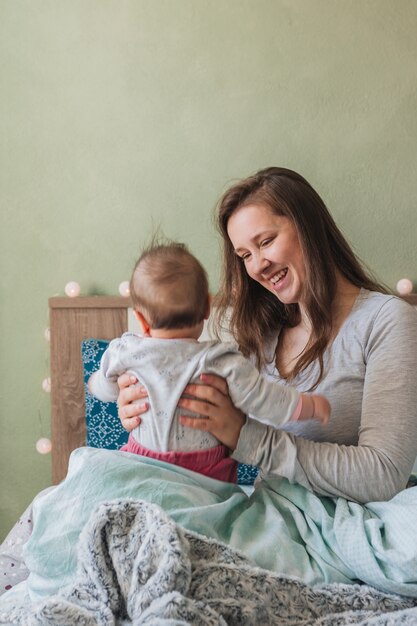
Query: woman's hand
(128, 409)
(221, 418)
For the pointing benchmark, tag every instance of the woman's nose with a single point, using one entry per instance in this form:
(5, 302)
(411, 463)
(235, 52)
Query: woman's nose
(261, 264)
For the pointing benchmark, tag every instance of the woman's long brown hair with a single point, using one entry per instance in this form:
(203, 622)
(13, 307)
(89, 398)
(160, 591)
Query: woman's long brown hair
(252, 312)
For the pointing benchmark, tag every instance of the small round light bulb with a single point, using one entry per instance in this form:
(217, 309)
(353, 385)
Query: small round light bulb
(43, 445)
(72, 289)
(404, 286)
(124, 289)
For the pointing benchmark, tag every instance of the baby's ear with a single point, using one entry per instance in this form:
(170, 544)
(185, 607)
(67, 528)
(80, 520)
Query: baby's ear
(146, 329)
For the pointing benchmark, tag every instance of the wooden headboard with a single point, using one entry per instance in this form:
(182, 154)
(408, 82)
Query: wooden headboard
(71, 321)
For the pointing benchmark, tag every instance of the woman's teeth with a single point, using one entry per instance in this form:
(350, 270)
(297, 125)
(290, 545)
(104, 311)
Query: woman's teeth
(278, 276)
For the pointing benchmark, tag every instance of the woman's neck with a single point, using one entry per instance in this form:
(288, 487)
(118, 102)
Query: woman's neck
(346, 295)
(293, 340)
(345, 298)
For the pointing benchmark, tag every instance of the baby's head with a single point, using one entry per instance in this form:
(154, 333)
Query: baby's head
(169, 287)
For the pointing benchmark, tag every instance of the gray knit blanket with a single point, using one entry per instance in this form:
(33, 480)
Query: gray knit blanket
(137, 566)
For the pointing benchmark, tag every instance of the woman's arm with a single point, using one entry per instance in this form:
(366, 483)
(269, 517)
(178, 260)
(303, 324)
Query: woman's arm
(378, 465)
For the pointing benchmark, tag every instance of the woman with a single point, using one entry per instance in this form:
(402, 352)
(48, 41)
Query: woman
(310, 315)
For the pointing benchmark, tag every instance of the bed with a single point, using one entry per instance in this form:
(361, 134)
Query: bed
(185, 565)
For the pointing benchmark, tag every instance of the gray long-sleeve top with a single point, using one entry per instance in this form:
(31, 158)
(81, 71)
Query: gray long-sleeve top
(367, 450)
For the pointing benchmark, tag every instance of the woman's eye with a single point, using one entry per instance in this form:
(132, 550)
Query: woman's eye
(245, 257)
(265, 242)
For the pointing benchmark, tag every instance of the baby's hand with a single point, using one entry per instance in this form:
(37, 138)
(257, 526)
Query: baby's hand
(322, 409)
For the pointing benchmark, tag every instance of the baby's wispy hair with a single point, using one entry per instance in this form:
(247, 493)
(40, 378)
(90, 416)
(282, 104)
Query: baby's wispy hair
(169, 286)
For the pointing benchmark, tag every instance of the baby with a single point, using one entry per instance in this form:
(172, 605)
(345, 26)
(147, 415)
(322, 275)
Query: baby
(169, 290)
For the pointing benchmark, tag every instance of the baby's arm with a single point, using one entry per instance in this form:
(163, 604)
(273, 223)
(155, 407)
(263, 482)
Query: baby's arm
(313, 407)
(274, 403)
(103, 383)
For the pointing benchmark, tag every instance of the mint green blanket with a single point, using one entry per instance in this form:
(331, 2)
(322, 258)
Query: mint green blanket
(282, 527)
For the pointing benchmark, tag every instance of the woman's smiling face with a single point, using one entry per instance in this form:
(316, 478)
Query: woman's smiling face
(270, 249)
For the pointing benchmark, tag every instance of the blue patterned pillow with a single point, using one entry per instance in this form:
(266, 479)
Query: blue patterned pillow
(246, 474)
(104, 429)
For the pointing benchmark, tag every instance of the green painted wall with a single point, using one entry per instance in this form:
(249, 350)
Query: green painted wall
(120, 115)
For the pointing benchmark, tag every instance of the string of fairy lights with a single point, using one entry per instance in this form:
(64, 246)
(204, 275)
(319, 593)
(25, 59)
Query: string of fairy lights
(72, 289)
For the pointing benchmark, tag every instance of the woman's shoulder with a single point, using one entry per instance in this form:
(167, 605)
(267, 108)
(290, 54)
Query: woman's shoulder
(378, 316)
(382, 307)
